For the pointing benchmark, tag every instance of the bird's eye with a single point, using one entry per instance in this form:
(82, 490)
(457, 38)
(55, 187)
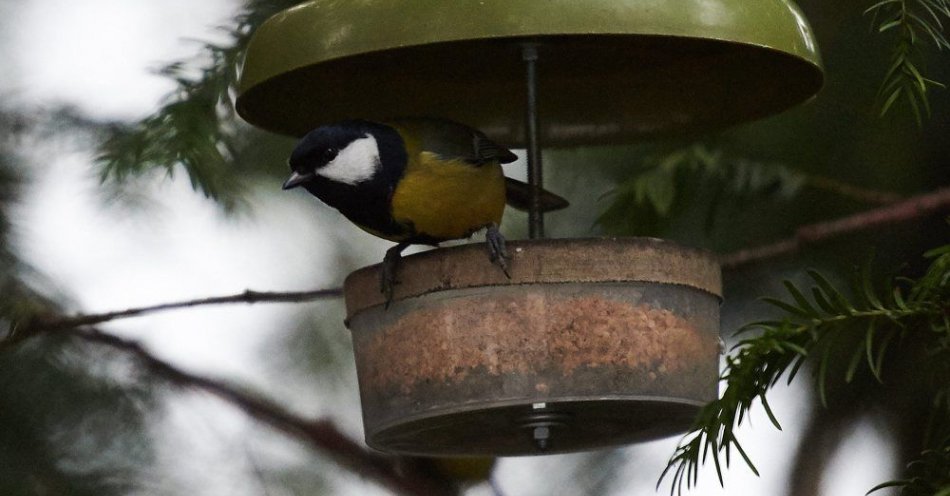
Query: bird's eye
(329, 154)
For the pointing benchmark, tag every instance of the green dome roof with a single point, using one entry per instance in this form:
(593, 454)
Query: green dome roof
(609, 71)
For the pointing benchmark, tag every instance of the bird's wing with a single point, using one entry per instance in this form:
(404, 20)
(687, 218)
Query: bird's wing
(453, 141)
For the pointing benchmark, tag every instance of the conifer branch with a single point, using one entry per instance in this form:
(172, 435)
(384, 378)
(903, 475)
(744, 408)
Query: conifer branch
(657, 188)
(195, 128)
(913, 21)
(815, 325)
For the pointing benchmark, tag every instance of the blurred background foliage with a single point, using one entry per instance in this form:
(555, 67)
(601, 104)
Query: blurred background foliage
(76, 420)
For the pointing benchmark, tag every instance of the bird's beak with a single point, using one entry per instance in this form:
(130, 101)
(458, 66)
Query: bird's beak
(296, 180)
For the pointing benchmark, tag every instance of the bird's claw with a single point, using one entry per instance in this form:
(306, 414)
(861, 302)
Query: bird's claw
(387, 273)
(496, 248)
(387, 281)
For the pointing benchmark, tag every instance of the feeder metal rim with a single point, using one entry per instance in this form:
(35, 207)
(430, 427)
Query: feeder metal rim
(541, 262)
(552, 403)
(571, 402)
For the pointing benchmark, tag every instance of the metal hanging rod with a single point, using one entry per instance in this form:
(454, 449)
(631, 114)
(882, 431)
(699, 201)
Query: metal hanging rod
(529, 53)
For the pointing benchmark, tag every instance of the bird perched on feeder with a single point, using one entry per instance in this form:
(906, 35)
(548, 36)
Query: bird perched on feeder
(412, 181)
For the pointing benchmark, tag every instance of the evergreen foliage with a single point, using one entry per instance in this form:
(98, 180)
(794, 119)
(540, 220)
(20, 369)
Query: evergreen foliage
(196, 128)
(816, 324)
(662, 182)
(73, 421)
(913, 23)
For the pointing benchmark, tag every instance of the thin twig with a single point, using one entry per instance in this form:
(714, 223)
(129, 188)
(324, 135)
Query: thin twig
(909, 209)
(248, 297)
(320, 434)
(852, 191)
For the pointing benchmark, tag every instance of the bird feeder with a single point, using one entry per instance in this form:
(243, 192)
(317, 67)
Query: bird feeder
(592, 342)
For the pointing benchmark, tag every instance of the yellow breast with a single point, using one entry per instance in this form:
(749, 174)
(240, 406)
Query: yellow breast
(449, 199)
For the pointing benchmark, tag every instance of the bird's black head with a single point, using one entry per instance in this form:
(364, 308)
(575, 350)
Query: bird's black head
(347, 152)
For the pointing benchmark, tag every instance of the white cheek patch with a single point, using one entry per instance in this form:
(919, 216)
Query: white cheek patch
(356, 163)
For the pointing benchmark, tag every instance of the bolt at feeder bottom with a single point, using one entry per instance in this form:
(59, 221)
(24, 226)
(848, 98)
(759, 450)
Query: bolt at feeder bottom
(541, 435)
(542, 424)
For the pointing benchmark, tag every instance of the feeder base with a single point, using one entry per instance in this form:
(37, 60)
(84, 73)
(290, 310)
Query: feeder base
(537, 429)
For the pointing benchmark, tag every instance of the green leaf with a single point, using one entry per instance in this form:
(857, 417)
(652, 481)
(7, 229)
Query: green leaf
(869, 350)
(661, 191)
(911, 69)
(768, 411)
(853, 364)
(799, 298)
(937, 252)
(885, 485)
(868, 290)
(899, 299)
(890, 100)
(745, 457)
(915, 106)
(795, 347)
(878, 5)
(878, 364)
(823, 377)
(840, 302)
(798, 365)
(666, 470)
(823, 301)
(930, 8)
(716, 462)
(888, 26)
(792, 309)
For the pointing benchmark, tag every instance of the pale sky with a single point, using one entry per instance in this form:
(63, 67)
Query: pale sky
(97, 55)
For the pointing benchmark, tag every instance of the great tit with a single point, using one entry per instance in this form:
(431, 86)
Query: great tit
(460, 472)
(412, 181)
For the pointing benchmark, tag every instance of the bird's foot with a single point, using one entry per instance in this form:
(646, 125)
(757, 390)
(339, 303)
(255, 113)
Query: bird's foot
(496, 248)
(387, 273)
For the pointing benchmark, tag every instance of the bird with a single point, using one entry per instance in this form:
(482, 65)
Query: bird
(456, 472)
(413, 181)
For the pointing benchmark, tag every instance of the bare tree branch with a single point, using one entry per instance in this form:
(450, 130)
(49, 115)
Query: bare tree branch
(851, 191)
(320, 434)
(909, 209)
(248, 297)
(823, 434)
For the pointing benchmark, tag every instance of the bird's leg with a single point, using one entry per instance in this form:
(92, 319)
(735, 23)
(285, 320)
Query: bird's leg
(496, 248)
(387, 274)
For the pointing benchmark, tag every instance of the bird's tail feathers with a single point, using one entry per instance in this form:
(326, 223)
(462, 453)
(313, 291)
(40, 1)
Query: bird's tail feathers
(519, 196)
